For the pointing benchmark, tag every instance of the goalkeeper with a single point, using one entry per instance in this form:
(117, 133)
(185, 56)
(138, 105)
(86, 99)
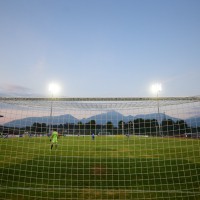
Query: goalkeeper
(54, 139)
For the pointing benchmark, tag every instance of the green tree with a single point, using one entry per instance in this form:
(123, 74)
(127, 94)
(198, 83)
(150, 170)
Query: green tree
(91, 126)
(139, 125)
(80, 127)
(109, 127)
(181, 127)
(168, 127)
(121, 127)
(130, 125)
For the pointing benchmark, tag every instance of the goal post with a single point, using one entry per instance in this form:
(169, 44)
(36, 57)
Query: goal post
(143, 154)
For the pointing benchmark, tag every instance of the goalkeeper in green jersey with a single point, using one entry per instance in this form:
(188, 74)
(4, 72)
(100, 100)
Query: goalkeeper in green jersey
(54, 139)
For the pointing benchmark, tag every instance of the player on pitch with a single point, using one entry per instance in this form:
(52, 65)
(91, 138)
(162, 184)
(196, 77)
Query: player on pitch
(54, 139)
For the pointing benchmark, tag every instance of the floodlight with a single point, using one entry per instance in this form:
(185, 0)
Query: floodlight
(54, 88)
(155, 88)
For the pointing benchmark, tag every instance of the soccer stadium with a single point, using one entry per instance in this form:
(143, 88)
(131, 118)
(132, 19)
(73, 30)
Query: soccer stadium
(107, 148)
(99, 100)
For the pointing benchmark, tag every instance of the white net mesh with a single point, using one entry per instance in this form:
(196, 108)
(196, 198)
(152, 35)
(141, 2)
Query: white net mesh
(108, 148)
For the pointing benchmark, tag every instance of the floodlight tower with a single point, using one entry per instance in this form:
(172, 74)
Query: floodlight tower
(156, 88)
(53, 89)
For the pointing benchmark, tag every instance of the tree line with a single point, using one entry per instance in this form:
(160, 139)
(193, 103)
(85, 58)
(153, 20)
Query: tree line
(139, 126)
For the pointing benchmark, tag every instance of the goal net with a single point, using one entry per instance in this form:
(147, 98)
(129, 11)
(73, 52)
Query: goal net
(107, 148)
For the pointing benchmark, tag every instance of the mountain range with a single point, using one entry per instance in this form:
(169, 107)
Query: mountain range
(102, 118)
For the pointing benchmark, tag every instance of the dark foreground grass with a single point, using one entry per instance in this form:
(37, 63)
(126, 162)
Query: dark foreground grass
(107, 168)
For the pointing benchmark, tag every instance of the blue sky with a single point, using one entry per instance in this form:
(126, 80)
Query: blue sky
(99, 48)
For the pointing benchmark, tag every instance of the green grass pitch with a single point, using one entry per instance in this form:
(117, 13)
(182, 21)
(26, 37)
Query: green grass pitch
(112, 167)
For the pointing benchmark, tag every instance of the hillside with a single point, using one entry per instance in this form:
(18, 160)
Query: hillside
(102, 118)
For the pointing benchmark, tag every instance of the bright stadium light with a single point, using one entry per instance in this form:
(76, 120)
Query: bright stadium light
(156, 88)
(54, 88)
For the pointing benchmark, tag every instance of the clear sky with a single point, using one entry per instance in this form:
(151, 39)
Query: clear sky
(100, 48)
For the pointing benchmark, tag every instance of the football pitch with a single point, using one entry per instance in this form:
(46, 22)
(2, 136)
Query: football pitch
(109, 167)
